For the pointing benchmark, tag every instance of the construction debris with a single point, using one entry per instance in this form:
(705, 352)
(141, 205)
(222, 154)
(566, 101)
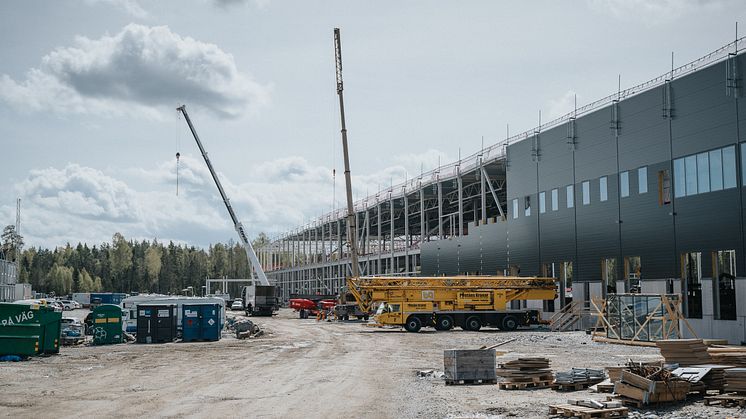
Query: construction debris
(650, 384)
(684, 352)
(525, 373)
(577, 379)
(589, 409)
(726, 400)
(246, 329)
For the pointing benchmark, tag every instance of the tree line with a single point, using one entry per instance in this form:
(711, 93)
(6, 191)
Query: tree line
(127, 265)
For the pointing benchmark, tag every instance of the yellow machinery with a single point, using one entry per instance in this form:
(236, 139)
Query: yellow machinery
(469, 302)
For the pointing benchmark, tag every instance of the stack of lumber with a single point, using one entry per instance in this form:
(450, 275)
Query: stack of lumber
(578, 378)
(589, 408)
(650, 385)
(715, 379)
(735, 379)
(684, 352)
(728, 355)
(525, 372)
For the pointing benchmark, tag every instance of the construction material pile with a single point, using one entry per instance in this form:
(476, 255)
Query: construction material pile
(684, 352)
(578, 378)
(728, 355)
(715, 379)
(650, 384)
(589, 408)
(735, 379)
(525, 373)
(245, 328)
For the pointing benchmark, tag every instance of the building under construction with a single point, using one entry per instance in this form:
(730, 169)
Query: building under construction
(639, 191)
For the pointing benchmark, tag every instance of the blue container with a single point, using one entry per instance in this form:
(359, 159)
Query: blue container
(200, 322)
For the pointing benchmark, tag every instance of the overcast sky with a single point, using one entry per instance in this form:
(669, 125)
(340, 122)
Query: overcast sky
(88, 91)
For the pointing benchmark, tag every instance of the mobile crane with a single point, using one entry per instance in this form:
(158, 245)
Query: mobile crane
(259, 297)
(469, 302)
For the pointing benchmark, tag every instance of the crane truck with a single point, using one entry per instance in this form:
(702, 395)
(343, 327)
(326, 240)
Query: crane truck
(469, 302)
(259, 297)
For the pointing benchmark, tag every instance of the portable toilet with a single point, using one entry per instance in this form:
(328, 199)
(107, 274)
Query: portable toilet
(107, 324)
(156, 323)
(29, 329)
(200, 322)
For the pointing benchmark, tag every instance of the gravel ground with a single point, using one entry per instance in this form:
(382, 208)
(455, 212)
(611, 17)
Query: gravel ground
(301, 368)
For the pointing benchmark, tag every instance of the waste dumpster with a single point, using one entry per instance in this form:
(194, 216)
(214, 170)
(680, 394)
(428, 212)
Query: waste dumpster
(107, 324)
(156, 323)
(29, 329)
(200, 322)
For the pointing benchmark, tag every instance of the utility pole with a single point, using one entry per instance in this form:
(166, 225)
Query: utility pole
(351, 227)
(17, 246)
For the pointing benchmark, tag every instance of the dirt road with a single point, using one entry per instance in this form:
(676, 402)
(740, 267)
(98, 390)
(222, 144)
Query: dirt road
(300, 368)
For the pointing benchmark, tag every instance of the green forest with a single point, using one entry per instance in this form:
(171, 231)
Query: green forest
(126, 265)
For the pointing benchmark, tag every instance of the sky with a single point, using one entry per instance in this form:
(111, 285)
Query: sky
(89, 88)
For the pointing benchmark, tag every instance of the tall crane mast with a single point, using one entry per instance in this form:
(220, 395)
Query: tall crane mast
(351, 225)
(250, 254)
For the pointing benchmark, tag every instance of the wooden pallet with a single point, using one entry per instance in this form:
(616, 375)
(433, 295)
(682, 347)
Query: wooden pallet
(626, 401)
(568, 410)
(570, 386)
(604, 388)
(469, 382)
(524, 385)
(726, 400)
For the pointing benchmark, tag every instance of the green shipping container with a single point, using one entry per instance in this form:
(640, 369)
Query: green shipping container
(29, 329)
(107, 324)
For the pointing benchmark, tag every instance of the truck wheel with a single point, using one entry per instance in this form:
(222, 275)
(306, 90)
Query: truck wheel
(365, 317)
(473, 324)
(509, 323)
(444, 323)
(413, 324)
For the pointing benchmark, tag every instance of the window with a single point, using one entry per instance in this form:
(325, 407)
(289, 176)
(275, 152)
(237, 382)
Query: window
(542, 202)
(691, 284)
(664, 187)
(515, 208)
(603, 188)
(690, 171)
(716, 170)
(527, 206)
(624, 184)
(703, 172)
(642, 180)
(724, 284)
(586, 192)
(555, 199)
(729, 167)
(570, 196)
(679, 176)
(608, 273)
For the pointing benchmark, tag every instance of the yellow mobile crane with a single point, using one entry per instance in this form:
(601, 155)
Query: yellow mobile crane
(469, 302)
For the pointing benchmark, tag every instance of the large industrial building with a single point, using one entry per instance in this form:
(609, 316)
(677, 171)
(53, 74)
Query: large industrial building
(641, 191)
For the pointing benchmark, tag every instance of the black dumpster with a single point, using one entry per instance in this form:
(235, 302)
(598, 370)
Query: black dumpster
(156, 323)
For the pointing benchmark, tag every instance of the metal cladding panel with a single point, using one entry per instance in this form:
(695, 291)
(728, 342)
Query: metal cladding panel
(647, 227)
(555, 160)
(521, 170)
(470, 254)
(709, 222)
(703, 115)
(523, 245)
(429, 258)
(598, 230)
(494, 247)
(558, 233)
(595, 150)
(643, 133)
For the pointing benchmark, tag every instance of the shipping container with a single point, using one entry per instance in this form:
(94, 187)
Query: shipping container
(156, 323)
(200, 322)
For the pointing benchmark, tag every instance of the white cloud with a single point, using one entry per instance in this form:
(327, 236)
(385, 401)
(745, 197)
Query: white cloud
(654, 12)
(139, 70)
(131, 7)
(561, 106)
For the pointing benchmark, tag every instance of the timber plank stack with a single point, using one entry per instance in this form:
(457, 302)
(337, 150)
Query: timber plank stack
(525, 373)
(587, 409)
(684, 352)
(728, 355)
(735, 379)
(577, 379)
(715, 379)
